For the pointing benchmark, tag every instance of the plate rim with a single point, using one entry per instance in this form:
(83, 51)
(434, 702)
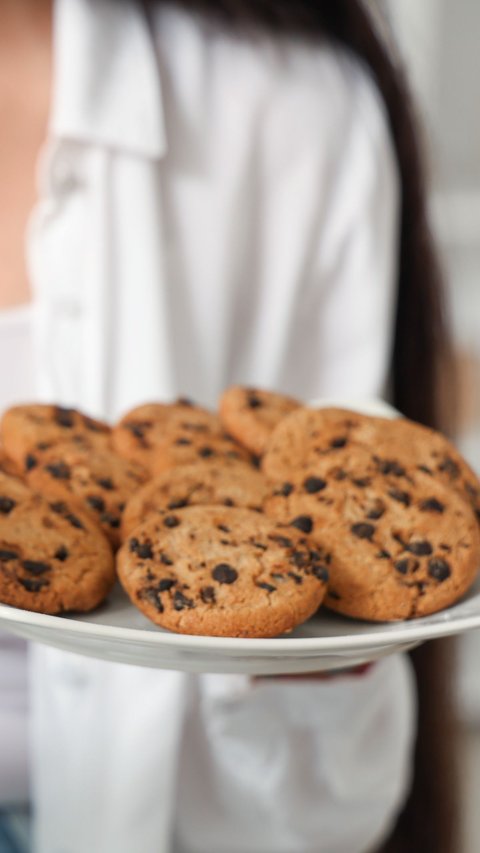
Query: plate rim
(408, 631)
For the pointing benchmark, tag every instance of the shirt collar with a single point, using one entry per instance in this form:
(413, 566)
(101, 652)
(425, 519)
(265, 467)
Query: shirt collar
(106, 77)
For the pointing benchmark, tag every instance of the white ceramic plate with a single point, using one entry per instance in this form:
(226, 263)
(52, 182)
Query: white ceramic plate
(119, 632)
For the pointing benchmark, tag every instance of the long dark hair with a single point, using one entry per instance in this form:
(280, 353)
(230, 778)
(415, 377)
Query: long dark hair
(420, 358)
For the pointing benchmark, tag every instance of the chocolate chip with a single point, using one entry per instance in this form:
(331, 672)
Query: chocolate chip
(450, 467)
(318, 555)
(35, 567)
(390, 466)
(425, 469)
(267, 586)
(31, 585)
(144, 550)
(153, 596)
(59, 470)
(166, 584)
(61, 553)
(421, 548)
(110, 519)
(312, 485)
(411, 565)
(340, 474)
(432, 505)
(93, 426)
(96, 502)
(383, 555)
(334, 594)
(61, 509)
(6, 505)
(207, 594)
(376, 511)
(171, 521)
(183, 442)
(253, 400)
(223, 573)
(402, 497)
(260, 546)
(321, 572)
(439, 569)
(181, 602)
(303, 523)
(228, 502)
(300, 559)
(402, 566)
(6, 555)
(178, 504)
(362, 482)
(106, 483)
(31, 461)
(224, 528)
(206, 452)
(285, 490)
(166, 560)
(297, 578)
(138, 430)
(363, 530)
(341, 441)
(283, 541)
(64, 417)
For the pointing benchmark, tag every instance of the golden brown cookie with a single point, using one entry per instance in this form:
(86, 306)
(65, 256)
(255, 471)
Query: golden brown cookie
(251, 414)
(222, 572)
(100, 480)
(184, 443)
(138, 433)
(28, 430)
(227, 484)
(401, 544)
(52, 557)
(307, 436)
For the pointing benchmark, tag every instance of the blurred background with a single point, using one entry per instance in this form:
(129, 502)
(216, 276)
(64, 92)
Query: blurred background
(438, 41)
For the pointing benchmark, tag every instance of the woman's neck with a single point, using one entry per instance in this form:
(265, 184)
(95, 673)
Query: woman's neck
(25, 87)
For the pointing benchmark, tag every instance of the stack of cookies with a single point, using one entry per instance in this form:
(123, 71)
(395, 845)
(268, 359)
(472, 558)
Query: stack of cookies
(239, 523)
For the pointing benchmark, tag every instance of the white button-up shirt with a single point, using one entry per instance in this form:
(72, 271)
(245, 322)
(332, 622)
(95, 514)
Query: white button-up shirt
(213, 208)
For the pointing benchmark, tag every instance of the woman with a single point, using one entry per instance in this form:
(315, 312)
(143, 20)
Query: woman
(219, 201)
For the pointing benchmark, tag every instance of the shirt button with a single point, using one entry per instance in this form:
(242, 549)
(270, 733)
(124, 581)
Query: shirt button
(65, 176)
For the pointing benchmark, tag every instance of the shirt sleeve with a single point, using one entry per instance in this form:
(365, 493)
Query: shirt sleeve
(283, 767)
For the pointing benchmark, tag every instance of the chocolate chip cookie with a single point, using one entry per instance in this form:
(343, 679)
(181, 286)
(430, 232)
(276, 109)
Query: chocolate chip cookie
(222, 572)
(305, 438)
(27, 431)
(138, 433)
(100, 480)
(229, 484)
(53, 558)
(401, 544)
(251, 414)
